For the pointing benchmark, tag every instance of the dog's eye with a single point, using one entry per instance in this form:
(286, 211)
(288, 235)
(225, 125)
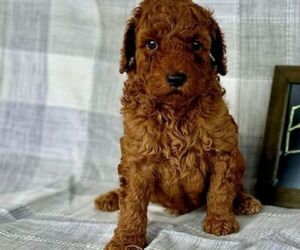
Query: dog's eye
(151, 44)
(196, 46)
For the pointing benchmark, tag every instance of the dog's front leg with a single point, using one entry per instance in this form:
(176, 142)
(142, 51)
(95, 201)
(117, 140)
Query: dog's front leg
(134, 198)
(220, 218)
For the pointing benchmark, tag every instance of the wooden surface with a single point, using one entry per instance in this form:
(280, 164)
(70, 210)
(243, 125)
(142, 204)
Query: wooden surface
(287, 197)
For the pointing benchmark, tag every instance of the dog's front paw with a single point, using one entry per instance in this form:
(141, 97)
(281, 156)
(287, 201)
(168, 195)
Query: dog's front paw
(219, 225)
(117, 246)
(113, 246)
(122, 244)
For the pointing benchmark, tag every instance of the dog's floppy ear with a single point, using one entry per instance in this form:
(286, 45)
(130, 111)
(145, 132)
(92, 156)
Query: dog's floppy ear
(218, 49)
(127, 61)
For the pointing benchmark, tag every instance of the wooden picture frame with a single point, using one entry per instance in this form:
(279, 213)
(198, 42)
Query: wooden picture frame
(266, 189)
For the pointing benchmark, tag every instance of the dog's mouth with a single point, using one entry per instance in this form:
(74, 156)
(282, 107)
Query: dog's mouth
(176, 90)
(174, 94)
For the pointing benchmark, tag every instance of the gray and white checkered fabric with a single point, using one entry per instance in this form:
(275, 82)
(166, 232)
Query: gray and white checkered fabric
(60, 122)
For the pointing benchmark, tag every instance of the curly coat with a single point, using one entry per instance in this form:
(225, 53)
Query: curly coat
(180, 145)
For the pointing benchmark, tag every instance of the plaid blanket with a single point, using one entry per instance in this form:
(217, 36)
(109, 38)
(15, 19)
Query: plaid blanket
(60, 122)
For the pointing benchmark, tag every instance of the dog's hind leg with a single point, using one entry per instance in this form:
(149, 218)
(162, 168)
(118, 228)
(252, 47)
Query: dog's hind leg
(108, 202)
(246, 204)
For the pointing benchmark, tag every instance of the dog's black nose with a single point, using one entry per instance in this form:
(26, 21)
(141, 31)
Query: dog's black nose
(176, 80)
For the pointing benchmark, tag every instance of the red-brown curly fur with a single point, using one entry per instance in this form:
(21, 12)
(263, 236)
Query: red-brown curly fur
(180, 146)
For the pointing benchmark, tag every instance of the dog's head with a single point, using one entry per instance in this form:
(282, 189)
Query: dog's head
(175, 47)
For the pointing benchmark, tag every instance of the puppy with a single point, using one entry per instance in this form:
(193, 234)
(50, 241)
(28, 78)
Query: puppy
(180, 144)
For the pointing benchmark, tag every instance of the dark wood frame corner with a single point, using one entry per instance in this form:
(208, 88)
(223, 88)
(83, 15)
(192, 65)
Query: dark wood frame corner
(283, 77)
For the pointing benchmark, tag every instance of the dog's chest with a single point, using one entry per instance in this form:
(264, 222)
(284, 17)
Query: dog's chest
(178, 144)
(176, 150)
(182, 138)
(176, 141)
(184, 165)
